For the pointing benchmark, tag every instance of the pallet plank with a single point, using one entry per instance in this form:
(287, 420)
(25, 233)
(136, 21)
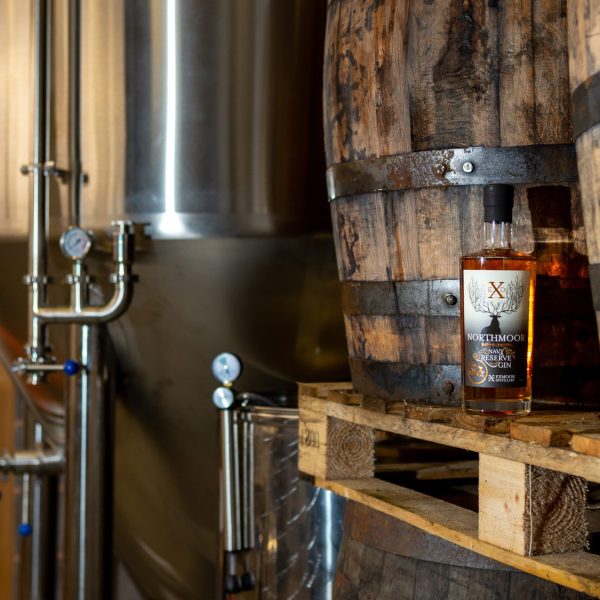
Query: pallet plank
(554, 430)
(558, 459)
(431, 414)
(333, 448)
(577, 570)
(451, 470)
(482, 423)
(529, 510)
(586, 443)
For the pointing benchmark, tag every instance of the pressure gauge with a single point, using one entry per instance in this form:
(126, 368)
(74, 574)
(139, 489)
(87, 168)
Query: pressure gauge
(226, 367)
(223, 398)
(75, 243)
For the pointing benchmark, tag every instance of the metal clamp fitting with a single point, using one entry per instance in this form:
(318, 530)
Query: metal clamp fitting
(37, 280)
(49, 169)
(38, 462)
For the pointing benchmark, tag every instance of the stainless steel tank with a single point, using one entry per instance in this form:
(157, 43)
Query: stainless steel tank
(298, 526)
(201, 119)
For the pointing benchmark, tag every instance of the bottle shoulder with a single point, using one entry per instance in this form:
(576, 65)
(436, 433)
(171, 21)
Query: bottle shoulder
(499, 259)
(500, 253)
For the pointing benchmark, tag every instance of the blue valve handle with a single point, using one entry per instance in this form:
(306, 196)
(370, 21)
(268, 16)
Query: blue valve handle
(25, 529)
(71, 367)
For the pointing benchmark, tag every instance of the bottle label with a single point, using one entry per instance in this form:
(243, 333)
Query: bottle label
(496, 321)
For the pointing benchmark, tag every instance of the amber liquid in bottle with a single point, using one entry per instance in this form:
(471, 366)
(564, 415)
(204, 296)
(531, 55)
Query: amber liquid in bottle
(498, 256)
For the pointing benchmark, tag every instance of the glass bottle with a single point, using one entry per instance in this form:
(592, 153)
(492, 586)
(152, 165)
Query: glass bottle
(497, 302)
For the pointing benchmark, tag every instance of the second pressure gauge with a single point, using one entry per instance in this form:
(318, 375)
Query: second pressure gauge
(226, 367)
(75, 243)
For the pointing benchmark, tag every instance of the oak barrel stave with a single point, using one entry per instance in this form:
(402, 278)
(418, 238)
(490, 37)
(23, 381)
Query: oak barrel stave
(584, 66)
(407, 76)
(386, 559)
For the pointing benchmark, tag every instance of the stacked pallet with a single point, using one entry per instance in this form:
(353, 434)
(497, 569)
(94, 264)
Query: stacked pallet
(532, 485)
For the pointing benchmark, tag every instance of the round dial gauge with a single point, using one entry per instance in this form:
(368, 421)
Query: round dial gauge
(75, 243)
(226, 367)
(223, 398)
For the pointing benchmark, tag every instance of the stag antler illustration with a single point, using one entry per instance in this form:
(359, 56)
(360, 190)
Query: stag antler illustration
(513, 290)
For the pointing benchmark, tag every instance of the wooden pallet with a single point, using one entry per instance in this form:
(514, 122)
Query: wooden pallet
(532, 485)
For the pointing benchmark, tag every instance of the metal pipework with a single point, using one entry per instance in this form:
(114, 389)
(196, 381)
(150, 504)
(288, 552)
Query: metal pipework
(232, 529)
(89, 470)
(32, 462)
(38, 527)
(37, 280)
(21, 365)
(122, 278)
(75, 112)
(247, 482)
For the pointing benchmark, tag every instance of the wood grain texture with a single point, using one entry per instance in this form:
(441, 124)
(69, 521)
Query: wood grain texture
(413, 339)
(431, 414)
(577, 570)
(557, 459)
(529, 510)
(407, 76)
(366, 572)
(584, 62)
(404, 76)
(482, 423)
(588, 145)
(502, 503)
(451, 470)
(366, 41)
(584, 40)
(547, 432)
(586, 443)
(332, 448)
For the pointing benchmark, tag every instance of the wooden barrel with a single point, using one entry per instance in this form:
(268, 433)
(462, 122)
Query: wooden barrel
(584, 67)
(424, 103)
(383, 558)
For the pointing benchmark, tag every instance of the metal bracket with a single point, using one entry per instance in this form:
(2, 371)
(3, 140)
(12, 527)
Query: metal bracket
(71, 279)
(478, 165)
(123, 278)
(422, 297)
(431, 384)
(30, 280)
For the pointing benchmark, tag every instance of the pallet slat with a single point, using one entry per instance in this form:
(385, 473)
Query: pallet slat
(554, 430)
(576, 570)
(545, 492)
(529, 510)
(587, 443)
(557, 459)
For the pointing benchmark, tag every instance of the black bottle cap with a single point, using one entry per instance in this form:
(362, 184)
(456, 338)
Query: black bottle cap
(498, 202)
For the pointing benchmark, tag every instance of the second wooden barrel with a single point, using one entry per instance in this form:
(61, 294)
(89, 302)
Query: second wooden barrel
(424, 103)
(383, 558)
(584, 66)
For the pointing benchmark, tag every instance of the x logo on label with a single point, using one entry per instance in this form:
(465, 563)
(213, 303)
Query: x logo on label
(496, 289)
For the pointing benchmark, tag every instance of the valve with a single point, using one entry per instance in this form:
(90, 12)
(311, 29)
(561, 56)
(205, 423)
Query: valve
(69, 367)
(25, 529)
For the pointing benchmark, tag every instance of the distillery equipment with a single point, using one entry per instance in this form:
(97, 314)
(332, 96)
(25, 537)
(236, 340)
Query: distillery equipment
(194, 127)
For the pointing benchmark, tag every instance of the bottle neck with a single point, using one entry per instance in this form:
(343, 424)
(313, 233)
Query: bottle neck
(497, 234)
